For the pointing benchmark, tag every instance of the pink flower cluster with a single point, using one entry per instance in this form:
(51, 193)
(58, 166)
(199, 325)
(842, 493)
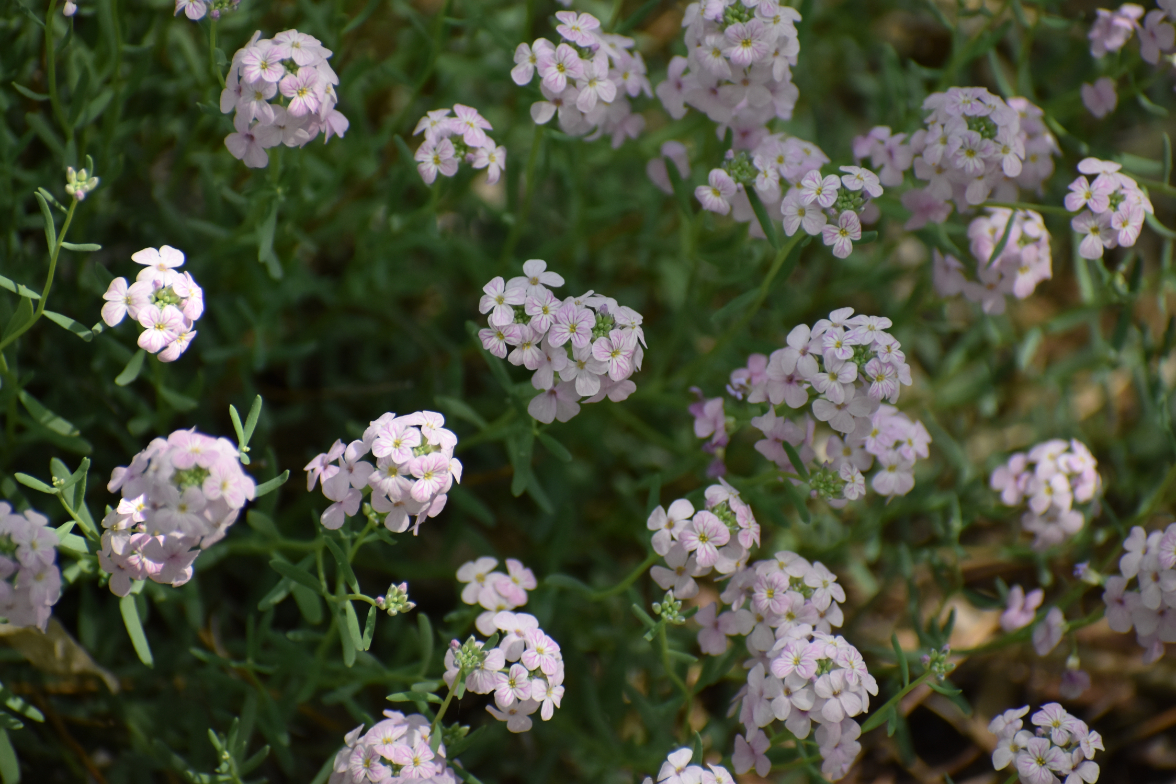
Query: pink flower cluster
(1051, 478)
(1024, 262)
(1062, 748)
(179, 496)
(738, 70)
(1113, 208)
(678, 770)
(30, 582)
(196, 9)
(586, 346)
(494, 591)
(718, 537)
(295, 65)
(1150, 607)
(524, 671)
(414, 470)
(397, 749)
(164, 302)
(450, 140)
(1113, 29)
(587, 79)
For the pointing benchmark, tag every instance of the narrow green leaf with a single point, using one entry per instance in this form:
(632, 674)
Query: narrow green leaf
(1148, 106)
(179, 401)
(461, 410)
(77, 100)
(737, 305)
(71, 542)
(131, 371)
(520, 448)
(251, 420)
(298, 575)
(18, 705)
(761, 214)
(637, 16)
(9, 765)
(558, 450)
(795, 499)
(369, 628)
(276, 595)
(265, 243)
(1004, 240)
(130, 614)
(794, 458)
(18, 288)
(867, 236)
(9, 722)
(349, 634)
(569, 582)
(85, 333)
(309, 604)
(20, 317)
(45, 417)
(27, 93)
(81, 247)
(265, 488)
(344, 565)
(953, 694)
(36, 484)
(425, 630)
(696, 753)
(262, 523)
(681, 191)
(903, 665)
(50, 226)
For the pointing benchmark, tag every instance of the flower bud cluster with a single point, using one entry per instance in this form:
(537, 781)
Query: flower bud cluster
(294, 66)
(196, 9)
(396, 601)
(399, 748)
(1062, 748)
(494, 591)
(1113, 208)
(677, 769)
(79, 183)
(739, 67)
(586, 346)
(524, 671)
(587, 79)
(30, 582)
(1051, 477)
(166, 303)
(1024, 261)
(1148, 606)
(414, 470)
(718, 537)
(450, 140)
(179, 496)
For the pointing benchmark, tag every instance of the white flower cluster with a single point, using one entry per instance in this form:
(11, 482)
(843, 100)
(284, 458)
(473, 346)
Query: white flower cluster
(739, 68)
(1062, 749)
(494, 591)
(30, 582)
(1148, 607)
(524, 671)
(1113, 208)
(851, 364)
(450, 140)
(414, 470)
(587, 79)
(586, 346)
(179, 496)
(1024, 261)
(397, 749)
(1052, 476)
(295, 65)
(164, 302)
(718, 537)
(678, 770)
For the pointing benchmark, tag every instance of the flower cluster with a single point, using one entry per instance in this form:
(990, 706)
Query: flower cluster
(1024, 261)
(196, 9)
(739, 67)
(1062, 748)
(1148, 607)
(295, 65)
(494, 591)
(587, 79)
(164, 302)
(845, 366)
(524, 671)
(1021, 610)
(450, 140)
(30, 582)
(1113, 29)
(1113, 207)
(398, 748)
(79, 183)
(678, 770)
(179, 496)
(414, 470)
(693, 543)
(586, 346)
(1050, 478)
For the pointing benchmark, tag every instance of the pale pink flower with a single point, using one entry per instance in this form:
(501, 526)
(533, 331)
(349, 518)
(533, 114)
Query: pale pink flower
(749, 753)
(433, 157)
(471, 125)
(1096, 233)
(304, 91)
(559, 66)
(160, 326)
(249, 143)
(432, 475)
(573, 323)
(848, 228)
(560, 402)
(822, 191)
(1100, 98)
(493, 160)
(717, 195)
(123, 300)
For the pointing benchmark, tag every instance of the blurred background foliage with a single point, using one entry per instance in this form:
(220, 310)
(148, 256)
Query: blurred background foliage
(339, 286)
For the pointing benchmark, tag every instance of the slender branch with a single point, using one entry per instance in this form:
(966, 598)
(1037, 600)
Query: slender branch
(878, 715)
(216, 71)
(55, 251)
(359, 597)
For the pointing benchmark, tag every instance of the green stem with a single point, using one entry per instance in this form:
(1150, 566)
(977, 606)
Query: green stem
(664, 644)
(878, 715)
(445, 705)
(1049, 209)
(51, 72)
(55, 252)
(623, 585)
(516, 229)
(216, 71)
(359, 597)
(367, 529)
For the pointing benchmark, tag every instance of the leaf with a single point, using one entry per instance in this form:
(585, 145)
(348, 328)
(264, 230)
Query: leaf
(520, 448)
(953, 694)
(176, 400)
(794, 458)
(761, 214)
(569, 582)
(369, 629)
(265, 488)
(736, 305)
(77, 99)
(637, 16)
(9, 765)
(36, 484)
(71, 542)
(20, 317)
(251, 420)
(558, 450)
(130, 614)
(1004, 240)
(45, 417)
(27, 93)
(9, 722)
(265, 243)
(461, 410)
(298, 575)
(81, 247)
(867, 236)
(50, 226)
(902, 660)
(795, 499)
(262, 523)
(349, 636)
(344, 565)
(18, 288)
(131, 371)
(85, 333)
(17, 705)
(1148, 106)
